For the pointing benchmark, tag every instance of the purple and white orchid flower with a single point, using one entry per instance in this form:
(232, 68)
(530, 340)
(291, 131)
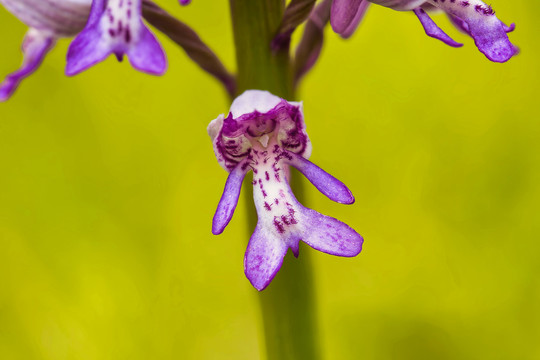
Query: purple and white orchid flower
(472, 16)
(48, 21)
(266, 134)
(116, 27)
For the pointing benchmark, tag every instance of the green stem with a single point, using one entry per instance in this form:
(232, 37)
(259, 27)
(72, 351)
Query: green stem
(288, 304)
(254, 24)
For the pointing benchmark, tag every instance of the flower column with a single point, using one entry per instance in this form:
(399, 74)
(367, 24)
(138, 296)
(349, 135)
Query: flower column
(288, 305)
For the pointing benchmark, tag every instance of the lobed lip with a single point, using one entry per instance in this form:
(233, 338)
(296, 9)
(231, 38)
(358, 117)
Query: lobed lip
(266, 134)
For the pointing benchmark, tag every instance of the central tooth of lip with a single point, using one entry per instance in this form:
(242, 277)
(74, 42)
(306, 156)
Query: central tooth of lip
(264, 140)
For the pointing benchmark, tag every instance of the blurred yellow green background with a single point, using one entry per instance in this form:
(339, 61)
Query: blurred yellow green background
(108, 185)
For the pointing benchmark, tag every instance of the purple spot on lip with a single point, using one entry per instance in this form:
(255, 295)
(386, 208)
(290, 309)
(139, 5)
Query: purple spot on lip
(279, 227)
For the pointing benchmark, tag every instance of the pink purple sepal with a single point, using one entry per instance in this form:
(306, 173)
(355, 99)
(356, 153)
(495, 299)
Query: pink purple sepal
(346, 15)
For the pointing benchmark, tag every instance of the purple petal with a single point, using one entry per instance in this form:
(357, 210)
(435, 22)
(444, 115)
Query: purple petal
(148, 56)
(35, 47)
(329, 235)
(346, 15)
(433, 30)
(264, 256)
(323, 181)
(116, 27)
(184, 2)
(229, 199)
(310, 46)
(295, 14)
(488, 32)
(509, 29)
(459, 24)
(85, 51)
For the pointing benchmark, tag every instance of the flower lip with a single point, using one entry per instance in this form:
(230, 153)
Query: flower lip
(266, 135)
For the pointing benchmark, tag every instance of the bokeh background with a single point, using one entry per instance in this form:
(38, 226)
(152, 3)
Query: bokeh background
(108, 185)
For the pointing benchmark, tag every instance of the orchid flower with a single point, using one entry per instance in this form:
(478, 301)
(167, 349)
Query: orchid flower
(48, 21)
(266, 134)
(472, 16)
(116, 27)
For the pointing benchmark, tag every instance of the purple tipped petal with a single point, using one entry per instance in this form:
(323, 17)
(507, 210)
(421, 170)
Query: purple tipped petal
(229, 199)
(115, 27)
(35, 47)
(329, 235)
(346, 15)
(433, 30)
(327, 184)
(264, 256)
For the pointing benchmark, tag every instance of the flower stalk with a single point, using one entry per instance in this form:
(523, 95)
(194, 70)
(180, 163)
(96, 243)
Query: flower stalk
(288, 304)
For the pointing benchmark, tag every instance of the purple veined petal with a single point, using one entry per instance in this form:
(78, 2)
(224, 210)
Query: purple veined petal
(433, 30)
(327, 184)
(488, 32)
(35, 47)
(229, 199)
(116, 27)
(345, 15)
(329, 235)
(148, 56)
(264, 257)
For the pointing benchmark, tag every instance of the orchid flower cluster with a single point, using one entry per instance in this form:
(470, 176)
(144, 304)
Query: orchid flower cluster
(262, 133)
